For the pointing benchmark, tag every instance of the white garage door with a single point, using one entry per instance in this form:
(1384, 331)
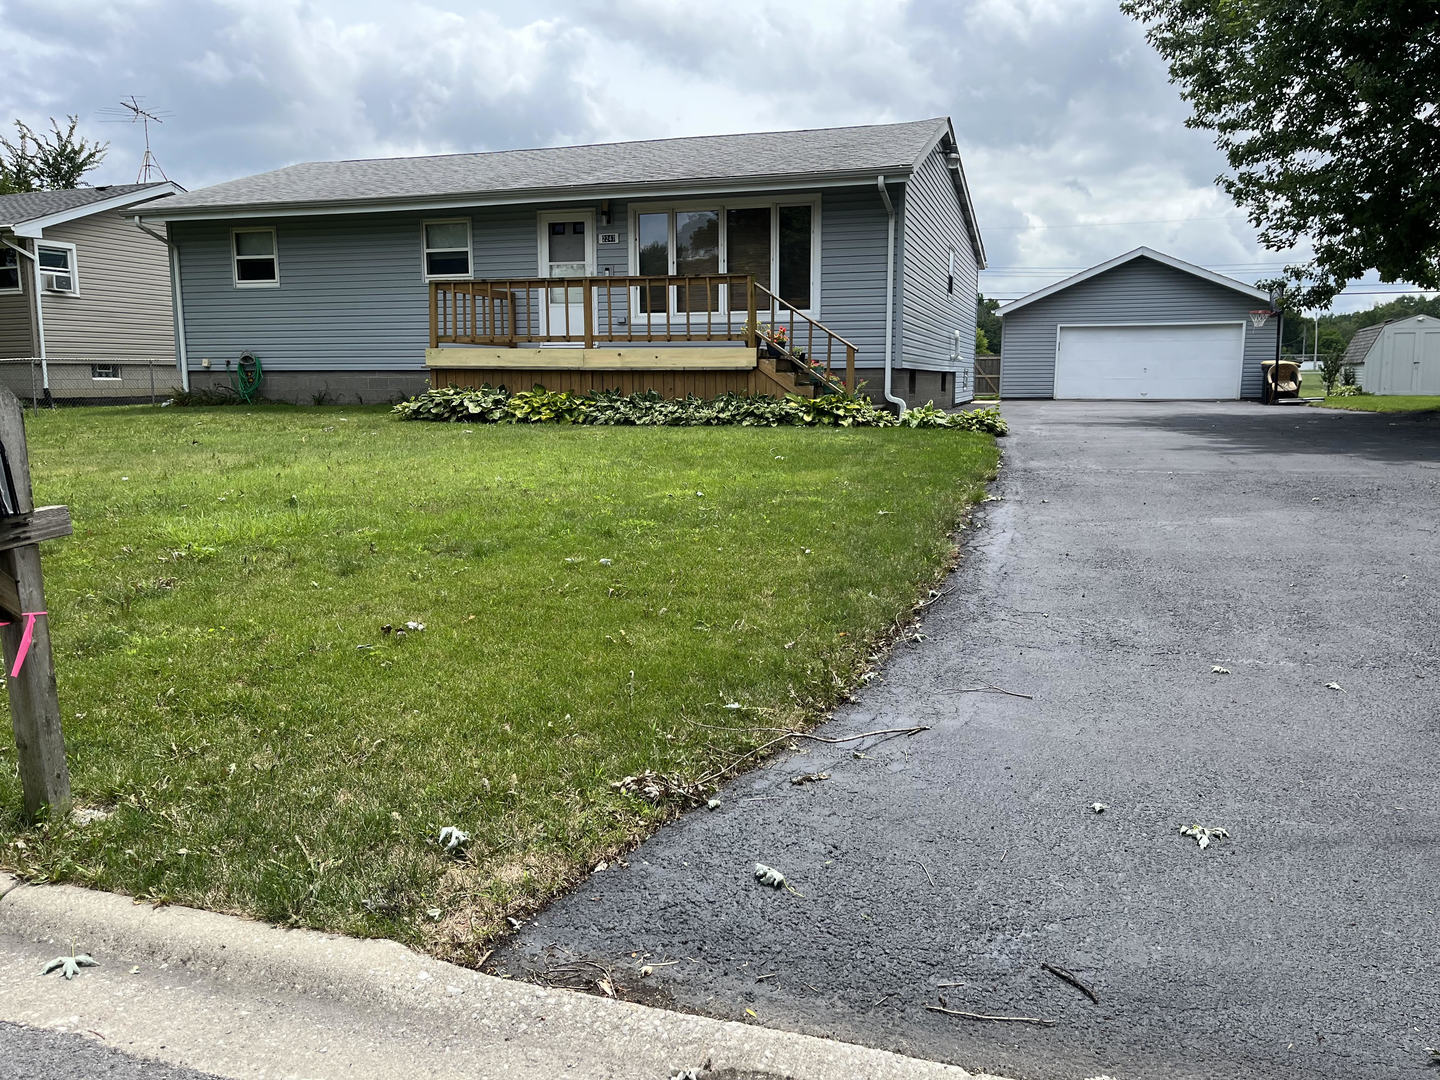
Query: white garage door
(1152, 362)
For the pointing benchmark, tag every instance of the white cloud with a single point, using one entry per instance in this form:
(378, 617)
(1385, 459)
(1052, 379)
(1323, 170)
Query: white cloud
(1064, 114)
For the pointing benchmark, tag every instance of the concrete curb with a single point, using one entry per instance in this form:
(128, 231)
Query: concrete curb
(245, 1000)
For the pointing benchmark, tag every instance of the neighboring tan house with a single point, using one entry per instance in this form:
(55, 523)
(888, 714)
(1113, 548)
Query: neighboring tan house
(668, 265)
(1401, 356)
(85, 307)
(1141, 326)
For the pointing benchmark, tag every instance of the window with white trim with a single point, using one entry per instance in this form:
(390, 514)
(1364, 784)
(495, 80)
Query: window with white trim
(446, 248)
(775, 241)
(256, 254)
(104, 372)
(56, 267)
(9, 270)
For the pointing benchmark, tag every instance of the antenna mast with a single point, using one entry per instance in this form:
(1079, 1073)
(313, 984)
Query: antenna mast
(140, 115)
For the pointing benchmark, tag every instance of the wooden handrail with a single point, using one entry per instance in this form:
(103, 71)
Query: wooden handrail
(777, 305)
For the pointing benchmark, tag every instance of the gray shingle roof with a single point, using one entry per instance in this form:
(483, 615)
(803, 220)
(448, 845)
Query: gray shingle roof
(33, 204)
(778, 155)
(1360, 343)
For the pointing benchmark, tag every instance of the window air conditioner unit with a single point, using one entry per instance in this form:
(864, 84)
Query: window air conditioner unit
(63, 283)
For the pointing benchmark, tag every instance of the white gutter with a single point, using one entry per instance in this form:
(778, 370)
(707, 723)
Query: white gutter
(39, 314)
(889, 296)
(177, 301)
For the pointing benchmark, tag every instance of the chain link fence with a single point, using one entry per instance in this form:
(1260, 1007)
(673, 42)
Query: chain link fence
(89, 380)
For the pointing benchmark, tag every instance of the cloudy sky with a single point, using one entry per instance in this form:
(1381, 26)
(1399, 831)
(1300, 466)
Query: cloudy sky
(1074, 141)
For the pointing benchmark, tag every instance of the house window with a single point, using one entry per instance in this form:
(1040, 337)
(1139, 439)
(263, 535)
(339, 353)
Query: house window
(256, 258)
(9, 270)
(104, 371)
(447, 248)
(950, 282)
(772, 241)
(57, 268)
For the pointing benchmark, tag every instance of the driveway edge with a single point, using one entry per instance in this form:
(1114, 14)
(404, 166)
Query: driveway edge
(300, 1002)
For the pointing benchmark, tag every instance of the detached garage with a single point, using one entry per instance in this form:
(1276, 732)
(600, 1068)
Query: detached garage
(1143, 326)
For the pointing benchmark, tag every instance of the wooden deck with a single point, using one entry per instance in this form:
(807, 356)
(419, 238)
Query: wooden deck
(703, 335)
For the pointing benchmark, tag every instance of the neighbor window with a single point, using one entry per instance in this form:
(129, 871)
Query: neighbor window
(57, 268)
(773, 242)
(447, 248)
(104, 371)
(9, 270)
(256, 258)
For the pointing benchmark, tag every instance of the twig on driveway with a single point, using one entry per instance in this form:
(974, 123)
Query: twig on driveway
(804, 735)
(927, 872)
(987, 690)
(983, 1016)
(1066, 975)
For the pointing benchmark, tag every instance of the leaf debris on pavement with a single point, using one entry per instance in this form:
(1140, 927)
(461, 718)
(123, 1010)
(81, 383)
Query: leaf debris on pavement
(69, 966)
(1334, 686)
(1218, 670)
(1099, 807)
(809, 778)
(768, 875)
(1202, 835)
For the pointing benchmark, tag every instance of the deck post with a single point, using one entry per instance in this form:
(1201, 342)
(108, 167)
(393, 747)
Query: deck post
(752, 327)
(850, 368)
(434, 315)
(589, 313)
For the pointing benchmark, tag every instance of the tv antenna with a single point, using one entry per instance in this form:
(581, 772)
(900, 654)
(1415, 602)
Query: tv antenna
(132, 112)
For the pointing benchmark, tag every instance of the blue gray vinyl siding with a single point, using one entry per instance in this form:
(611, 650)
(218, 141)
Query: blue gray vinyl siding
(352, 295)
(852, 269)
(1139, 291)
(931, 311)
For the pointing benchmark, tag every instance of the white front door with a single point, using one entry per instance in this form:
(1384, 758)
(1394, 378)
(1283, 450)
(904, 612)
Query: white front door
(567, 250)
(1156, 363)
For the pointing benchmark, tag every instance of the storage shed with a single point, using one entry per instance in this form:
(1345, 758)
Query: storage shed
(1399, 357)
(1141, 326)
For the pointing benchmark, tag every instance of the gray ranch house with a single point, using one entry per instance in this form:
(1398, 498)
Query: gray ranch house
(84, 299)
(761, 263)
(1141, 326)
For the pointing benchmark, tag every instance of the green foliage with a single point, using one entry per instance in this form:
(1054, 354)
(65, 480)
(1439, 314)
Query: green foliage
(988, 324)
(40, 162)
(496, 405)
(1343, 391)
(1330, 371)
(1326, 113)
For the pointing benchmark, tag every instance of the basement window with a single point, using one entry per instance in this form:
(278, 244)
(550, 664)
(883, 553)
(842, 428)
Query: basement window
(256, 260)
(100, 372)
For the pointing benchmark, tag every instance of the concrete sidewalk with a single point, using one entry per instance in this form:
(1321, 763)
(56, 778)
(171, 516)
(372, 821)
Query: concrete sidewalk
(240, 999)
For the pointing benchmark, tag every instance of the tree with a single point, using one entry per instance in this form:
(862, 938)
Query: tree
(1327, 114)
(987, 323)
(41, 162)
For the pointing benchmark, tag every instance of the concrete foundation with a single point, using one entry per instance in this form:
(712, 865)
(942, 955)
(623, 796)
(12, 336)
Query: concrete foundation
(328, 387)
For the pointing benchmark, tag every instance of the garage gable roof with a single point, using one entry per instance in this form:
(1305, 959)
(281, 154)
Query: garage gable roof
(1130, 256)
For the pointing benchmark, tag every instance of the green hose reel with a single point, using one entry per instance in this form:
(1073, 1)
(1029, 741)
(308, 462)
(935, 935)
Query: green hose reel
(247, 377)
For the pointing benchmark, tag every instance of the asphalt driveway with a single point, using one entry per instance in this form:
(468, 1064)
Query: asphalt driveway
(1134, 548)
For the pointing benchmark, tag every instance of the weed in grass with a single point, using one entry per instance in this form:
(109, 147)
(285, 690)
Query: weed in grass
(257, 761)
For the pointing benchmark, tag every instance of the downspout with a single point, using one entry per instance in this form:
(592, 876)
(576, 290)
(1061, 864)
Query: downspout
(889, 296)
(177, 301)
(39, 315)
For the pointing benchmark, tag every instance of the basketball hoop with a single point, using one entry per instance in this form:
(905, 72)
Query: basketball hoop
(1260, 318)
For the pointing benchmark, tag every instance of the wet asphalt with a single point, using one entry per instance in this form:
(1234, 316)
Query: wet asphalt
(38, 1054)
(1133, 548)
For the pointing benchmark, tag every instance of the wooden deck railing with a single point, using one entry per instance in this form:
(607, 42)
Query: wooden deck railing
(587, 311)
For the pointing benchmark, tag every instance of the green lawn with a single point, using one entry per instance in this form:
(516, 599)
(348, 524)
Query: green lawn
(229, 693)
(1396, 403)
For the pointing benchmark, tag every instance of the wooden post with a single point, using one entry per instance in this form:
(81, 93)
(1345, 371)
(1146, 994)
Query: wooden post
(850, 367)
(589, 308)
(34, 704)
(751, 323)
(434, 315)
